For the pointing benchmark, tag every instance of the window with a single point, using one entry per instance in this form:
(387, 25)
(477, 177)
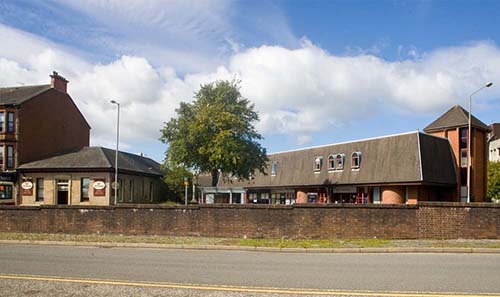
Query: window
(274, 168)
(355, 160)
(463, 137)
(39, 189)
(131, 197)
(10, 122)
(151, 191)
(2, 121)
(10, 157)
(120, 190)
(5, 192)
(318, 161)
(84, 191)
(340, 161)
(331, 162)
(463, 157)
(1, 156)
(463, 193)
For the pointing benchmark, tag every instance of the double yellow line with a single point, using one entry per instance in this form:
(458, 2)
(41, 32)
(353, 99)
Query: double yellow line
(236, 288)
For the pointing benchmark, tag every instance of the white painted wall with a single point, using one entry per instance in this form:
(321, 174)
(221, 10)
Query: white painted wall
(494, 151)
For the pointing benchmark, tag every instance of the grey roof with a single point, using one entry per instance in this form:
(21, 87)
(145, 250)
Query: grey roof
(404, 158)
(495, 132)
(456, 116)
(18, 95)
(95, 158)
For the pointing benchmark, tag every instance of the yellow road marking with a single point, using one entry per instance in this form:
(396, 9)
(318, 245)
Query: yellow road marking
(238, 288)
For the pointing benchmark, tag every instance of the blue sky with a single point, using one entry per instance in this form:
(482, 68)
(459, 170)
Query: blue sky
(318, 71)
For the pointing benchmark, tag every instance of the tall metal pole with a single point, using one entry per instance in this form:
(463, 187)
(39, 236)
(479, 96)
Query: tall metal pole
(469, 137)
(469, 163)
(116, 151)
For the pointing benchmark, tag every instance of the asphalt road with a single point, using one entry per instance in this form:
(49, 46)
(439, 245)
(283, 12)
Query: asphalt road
(459, 273)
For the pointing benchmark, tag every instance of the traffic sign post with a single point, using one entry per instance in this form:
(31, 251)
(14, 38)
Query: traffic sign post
(186, 183)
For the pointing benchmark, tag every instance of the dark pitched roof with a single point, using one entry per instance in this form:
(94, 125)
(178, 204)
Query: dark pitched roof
(405, 158)
(18, 95)
(495, 132)
(456, 116)
(95, 158)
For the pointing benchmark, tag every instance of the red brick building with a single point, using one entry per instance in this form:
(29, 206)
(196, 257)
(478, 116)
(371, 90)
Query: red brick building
(36, 122)
(395, 169)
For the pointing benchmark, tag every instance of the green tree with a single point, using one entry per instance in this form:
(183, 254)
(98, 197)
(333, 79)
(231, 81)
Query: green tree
(493, 191)
(215, 133)
(174, 179)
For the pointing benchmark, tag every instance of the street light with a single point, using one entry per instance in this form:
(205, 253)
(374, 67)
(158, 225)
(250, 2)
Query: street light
(116, 151)
(469, 136)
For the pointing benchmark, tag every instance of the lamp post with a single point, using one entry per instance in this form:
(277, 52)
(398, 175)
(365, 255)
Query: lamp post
(116, 151)
(469, 136)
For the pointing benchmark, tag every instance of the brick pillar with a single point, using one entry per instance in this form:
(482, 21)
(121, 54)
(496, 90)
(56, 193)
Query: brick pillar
(393, 195)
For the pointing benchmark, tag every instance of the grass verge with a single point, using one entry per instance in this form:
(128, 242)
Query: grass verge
(244, 242)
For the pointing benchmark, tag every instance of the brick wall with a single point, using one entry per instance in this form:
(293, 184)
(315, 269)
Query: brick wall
(428, 220)
(50, 123)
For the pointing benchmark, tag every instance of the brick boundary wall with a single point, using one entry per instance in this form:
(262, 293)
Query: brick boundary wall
(425, 220)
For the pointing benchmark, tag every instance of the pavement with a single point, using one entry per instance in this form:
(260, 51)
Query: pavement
(48, 270)
(404, 249)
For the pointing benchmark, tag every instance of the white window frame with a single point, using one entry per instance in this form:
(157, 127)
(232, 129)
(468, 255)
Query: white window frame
(317, 163)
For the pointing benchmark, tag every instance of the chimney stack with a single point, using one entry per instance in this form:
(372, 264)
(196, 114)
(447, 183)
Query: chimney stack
(58, 82)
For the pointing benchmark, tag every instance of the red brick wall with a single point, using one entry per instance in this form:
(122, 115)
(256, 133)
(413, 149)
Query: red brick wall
(48, 124)
(426, 220)
(479, 162)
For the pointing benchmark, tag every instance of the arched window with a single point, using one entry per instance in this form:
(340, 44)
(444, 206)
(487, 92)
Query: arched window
(339, 160)
(274, 167)
(355, 160)
(331, 162)
(318, 161)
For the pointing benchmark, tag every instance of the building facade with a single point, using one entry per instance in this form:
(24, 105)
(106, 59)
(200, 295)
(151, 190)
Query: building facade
(453, 125)
(36, 122)
(86, 177)
(494, 143)
(395, 169)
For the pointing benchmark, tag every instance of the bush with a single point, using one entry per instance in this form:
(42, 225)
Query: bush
(493, 192)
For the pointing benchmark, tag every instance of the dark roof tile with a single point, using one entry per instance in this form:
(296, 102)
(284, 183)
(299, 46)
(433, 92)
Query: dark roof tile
(456, 116)
(18, 95)
(405, 158)
(96, 158)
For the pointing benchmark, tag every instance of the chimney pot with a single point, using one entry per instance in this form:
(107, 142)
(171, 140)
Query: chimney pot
(58, 82)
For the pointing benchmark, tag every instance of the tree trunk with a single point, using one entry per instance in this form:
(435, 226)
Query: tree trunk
(215, 177)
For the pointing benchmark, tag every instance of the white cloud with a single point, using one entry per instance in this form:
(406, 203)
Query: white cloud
(296, 91)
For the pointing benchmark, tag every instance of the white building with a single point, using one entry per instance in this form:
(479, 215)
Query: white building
(494, 143)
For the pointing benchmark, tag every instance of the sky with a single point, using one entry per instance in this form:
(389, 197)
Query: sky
(318, 72)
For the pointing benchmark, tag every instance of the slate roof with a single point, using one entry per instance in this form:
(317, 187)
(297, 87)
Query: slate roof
(456, 116)
(404, 158)
(89, 158)
(495, 132)
(18, 95)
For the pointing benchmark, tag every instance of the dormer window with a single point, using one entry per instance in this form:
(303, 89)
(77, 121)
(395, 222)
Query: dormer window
(355, 160)
(339, 160)
(274, 167)
(318, 161)
(331, 162)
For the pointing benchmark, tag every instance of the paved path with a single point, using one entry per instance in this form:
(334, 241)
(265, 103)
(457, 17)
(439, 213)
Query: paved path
(208, 270)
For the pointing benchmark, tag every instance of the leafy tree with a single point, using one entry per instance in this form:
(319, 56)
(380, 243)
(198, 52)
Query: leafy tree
(493, 191)
(215, 133)
(174, 179)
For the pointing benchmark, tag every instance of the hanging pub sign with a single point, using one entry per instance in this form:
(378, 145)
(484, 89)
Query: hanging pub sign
(27, 187)
(99, 186)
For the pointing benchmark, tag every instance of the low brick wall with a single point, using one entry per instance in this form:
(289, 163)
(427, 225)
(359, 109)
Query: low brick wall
(427, 220)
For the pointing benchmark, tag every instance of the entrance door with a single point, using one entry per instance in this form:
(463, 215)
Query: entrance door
(62, 191)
